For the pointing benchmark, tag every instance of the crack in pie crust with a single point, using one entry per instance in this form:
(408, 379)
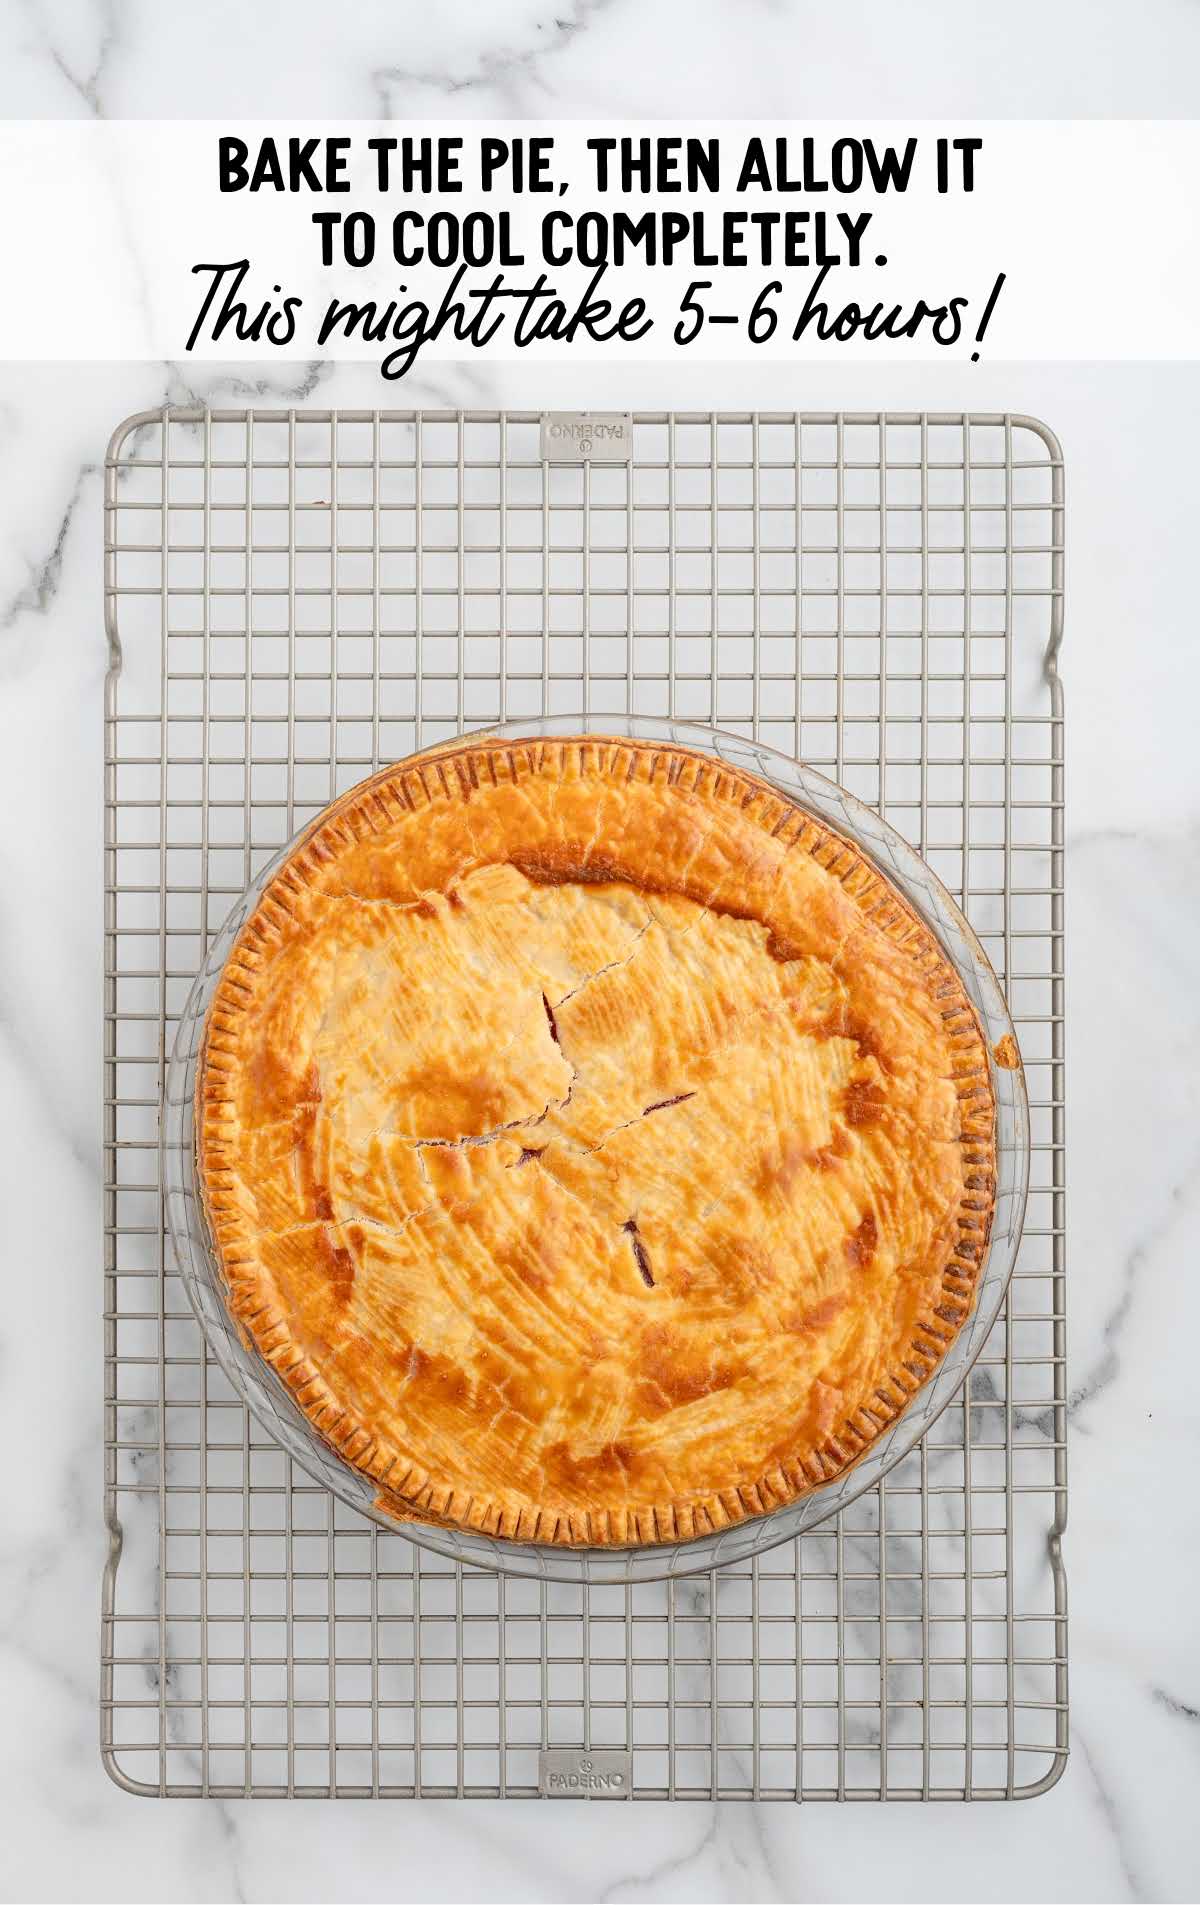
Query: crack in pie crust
(593, 1141)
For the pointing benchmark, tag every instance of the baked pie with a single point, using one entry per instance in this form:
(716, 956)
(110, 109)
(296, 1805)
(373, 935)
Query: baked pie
(593, 1141)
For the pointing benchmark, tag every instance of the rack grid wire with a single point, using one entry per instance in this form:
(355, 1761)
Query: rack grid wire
(294, 597)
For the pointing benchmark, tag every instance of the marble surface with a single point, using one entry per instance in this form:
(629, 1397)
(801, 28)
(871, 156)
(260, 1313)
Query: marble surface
(1123, 1822)
(135, 59)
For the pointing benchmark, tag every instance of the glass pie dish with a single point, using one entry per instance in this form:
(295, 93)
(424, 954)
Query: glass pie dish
(272, 1403)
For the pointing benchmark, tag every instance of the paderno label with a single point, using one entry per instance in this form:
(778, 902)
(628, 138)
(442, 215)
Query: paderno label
(568, 1773)
(584, 436)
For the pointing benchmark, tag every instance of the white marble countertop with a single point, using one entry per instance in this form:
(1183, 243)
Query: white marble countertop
(1123, 1822)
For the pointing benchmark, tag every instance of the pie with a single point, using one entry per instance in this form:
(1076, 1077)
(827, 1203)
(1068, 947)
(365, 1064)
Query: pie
(592, 1140)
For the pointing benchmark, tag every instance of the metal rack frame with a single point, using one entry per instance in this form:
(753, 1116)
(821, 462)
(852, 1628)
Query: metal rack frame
(293, 597)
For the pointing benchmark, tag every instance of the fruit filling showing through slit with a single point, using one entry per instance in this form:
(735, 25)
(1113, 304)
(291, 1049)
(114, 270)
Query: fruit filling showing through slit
(641, 1255)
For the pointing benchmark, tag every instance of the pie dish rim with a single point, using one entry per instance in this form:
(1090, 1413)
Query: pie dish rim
(650, 738)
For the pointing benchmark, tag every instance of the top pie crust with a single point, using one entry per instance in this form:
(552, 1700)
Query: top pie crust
(594, 1142)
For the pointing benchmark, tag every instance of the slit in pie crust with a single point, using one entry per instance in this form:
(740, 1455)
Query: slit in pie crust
(593, 1141)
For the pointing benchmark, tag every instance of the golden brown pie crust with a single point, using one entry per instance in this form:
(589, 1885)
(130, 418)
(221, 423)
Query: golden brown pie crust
(594, 1142)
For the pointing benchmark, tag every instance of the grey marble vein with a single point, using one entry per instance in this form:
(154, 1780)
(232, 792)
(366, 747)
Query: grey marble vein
(37, 594)
(83, 74)
(513, 75)
(1179, 1209)
(291, 384)
(642, 1884)
(733, 1843)
(1108, 1802)
(1179, 1708)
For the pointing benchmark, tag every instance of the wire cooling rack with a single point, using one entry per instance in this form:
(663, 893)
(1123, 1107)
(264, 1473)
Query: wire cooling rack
(294, 597)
